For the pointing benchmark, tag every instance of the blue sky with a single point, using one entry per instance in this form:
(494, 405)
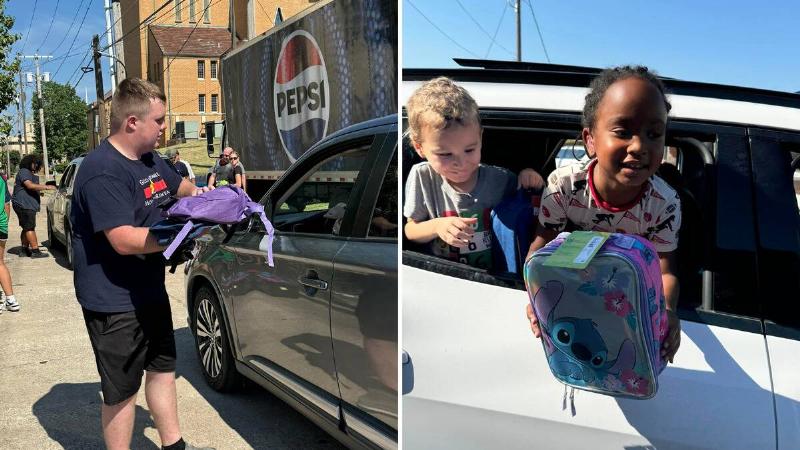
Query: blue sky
(754, 44)
(35, 24)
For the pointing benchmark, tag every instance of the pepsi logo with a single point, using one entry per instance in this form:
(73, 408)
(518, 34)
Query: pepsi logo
(301, 94)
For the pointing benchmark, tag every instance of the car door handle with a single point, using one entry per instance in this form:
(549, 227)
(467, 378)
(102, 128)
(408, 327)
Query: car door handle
(408, 373)
(311, 280)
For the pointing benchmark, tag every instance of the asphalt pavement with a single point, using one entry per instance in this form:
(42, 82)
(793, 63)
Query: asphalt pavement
(50, 390)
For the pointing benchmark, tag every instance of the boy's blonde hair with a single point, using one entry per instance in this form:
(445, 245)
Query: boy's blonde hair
(132, 98)
(439, 103)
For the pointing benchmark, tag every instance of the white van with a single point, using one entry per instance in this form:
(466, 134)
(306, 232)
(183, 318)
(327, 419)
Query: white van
(475, 377)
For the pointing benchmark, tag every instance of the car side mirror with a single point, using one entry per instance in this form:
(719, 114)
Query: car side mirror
(51, 183)
(210, 138)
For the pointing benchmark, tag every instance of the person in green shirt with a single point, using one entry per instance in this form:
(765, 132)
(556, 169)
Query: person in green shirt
(5, 276)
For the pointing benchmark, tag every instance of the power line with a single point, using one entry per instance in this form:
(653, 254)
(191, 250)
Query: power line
(496, 30)
(33, 15)
(265, 12)
(440, 30)
(69, 30)
(481, 28)
(88, 53)
(75, 38)
(530, 4)
(50, 27)
(188, 37)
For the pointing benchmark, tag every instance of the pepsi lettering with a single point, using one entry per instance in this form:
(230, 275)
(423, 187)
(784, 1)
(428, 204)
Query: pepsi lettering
(293, 101)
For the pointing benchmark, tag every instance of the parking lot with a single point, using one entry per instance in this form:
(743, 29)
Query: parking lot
(50, 390)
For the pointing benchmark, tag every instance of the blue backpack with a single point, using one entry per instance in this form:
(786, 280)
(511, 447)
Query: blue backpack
(513, 223)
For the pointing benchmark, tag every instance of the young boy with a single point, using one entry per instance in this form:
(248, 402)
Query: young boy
(449, 196)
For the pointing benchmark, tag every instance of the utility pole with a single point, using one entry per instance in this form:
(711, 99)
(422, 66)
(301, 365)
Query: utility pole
(519, 32)
(36, 59)
(111, 63)
(24, 120)
(119, 53)
(98, 74)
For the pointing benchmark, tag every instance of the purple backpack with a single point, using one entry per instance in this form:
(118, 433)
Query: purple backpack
(602, 326)
(225, 205)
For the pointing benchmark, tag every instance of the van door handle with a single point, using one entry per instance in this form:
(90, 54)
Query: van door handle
(312, 282)
(408, 373)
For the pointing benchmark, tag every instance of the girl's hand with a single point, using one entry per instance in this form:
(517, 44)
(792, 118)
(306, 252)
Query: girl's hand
(530, 179)
(533, 320)
(456, 231)
(673, 340)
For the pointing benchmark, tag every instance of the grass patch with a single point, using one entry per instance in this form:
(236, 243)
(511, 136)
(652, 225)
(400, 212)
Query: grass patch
(194, 152)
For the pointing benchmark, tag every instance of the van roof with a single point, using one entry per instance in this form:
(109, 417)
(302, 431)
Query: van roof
(521, 85)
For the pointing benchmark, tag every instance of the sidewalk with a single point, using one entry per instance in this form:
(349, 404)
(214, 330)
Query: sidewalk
(49, 387)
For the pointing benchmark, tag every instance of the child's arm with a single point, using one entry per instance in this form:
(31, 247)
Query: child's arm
(456, 231)
(669, 280)
(530, 179)
(542, 236)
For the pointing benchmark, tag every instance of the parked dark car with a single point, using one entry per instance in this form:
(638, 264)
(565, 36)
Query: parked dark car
(320, 328)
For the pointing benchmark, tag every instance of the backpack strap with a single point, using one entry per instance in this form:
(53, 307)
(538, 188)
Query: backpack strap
(178, 239)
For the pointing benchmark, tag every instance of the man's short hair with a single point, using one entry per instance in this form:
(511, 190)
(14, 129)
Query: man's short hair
(132, 98)
(439, 103)
(171, 153)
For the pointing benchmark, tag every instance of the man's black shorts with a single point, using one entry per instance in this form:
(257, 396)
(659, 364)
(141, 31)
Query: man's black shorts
(126, 344)
(27, 218)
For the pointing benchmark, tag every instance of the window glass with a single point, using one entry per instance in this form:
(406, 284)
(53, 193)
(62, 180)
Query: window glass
(206, 12)
(384, 215)
(201, 68)
(214, 102)
(67, 177)
(191, 11)
(213, 69)
(319, 203)
(201, 102)
(178, 9)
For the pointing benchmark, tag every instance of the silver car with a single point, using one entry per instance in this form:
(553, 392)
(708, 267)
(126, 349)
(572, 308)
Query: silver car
(320, 328)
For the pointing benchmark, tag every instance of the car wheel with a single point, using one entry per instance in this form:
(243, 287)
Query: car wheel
(68, 235)
(211, 341)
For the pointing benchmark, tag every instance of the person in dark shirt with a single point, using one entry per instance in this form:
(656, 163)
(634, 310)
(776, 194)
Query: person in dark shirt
(118, 273)
(26, 203)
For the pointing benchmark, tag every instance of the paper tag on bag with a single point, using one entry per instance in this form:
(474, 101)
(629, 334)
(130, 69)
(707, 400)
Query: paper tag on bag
(577, 250)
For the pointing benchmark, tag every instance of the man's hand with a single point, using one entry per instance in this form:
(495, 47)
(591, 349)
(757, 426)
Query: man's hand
(673, 340)
(201, 190)
(456, 231)
(534, 322)
(530, 179)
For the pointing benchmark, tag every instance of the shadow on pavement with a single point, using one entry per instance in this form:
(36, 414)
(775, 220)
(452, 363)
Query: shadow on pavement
(57, 251)
(260, 418)
(70, 414)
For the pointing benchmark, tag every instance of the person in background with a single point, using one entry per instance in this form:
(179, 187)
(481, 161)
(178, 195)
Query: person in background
(26, 203)
(183, 167)
(225, 172)
(238, 171)
(5, 276)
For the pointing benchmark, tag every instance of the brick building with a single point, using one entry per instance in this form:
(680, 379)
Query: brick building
(178, 45)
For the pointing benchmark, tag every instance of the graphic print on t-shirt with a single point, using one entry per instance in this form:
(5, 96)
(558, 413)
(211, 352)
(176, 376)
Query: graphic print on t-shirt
(478, 252)
(154, 188)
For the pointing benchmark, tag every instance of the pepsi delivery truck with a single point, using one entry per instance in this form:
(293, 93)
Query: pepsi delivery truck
(330, 66)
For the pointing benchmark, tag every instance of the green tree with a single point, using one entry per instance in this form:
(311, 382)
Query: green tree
(9, 67)
(64, 120)
(5, 138)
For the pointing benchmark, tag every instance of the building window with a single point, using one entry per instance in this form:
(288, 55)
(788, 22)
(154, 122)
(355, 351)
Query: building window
(201, 69)
(214, 103)
(178, 8)
(191, 11)
(213, 70)
(201, 102)
(206, 11)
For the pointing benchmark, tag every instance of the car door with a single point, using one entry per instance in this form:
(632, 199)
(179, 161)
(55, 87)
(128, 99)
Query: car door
(776, 178)
(364, 305)
(60, 199)
(473, 364)
(282, 313)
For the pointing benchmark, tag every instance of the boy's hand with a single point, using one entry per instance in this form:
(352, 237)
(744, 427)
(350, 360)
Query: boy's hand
(530, 179)
(534, 321)
(673, 340)
(456, 231)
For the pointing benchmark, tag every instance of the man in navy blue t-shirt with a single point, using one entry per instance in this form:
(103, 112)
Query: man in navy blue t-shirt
(118, 273)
